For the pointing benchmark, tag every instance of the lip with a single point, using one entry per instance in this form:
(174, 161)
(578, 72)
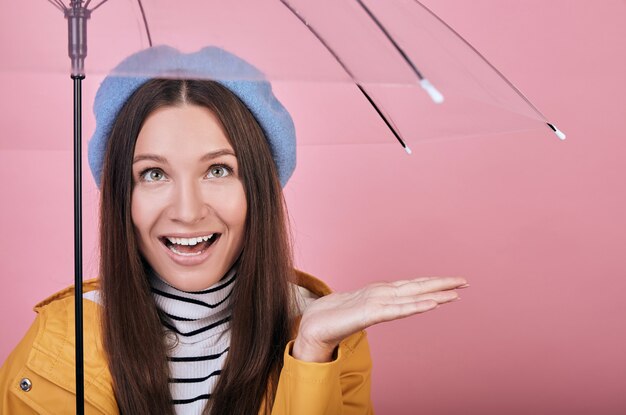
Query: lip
(188, 261)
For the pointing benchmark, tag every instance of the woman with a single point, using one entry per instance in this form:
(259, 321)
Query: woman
(198, 309)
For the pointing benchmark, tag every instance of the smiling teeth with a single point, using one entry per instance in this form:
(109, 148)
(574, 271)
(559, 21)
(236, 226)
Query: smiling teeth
(190, 241)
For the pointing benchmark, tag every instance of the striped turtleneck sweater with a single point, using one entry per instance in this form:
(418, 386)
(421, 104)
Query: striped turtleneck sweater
(201, 322)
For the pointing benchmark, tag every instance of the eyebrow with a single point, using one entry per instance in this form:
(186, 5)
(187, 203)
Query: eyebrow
(208, 156)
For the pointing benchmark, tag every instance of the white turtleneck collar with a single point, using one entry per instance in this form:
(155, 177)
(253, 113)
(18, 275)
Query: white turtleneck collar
(195, 316)
(201, 322)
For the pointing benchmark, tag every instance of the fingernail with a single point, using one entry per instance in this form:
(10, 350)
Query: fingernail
(463, 286)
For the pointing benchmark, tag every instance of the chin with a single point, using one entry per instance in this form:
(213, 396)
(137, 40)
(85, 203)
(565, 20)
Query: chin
(197, 282)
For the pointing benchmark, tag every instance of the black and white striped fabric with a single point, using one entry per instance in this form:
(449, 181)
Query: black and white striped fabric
(201, 322)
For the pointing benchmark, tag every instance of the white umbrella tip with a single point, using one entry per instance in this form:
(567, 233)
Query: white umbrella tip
(408, 150)
(558, 132)
(434, 93)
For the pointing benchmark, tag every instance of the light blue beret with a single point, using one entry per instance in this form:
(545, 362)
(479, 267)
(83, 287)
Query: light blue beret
(240, 77)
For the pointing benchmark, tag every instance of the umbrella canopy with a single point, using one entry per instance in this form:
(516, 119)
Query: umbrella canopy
(388, 48)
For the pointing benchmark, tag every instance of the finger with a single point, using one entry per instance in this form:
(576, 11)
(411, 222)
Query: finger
(397, 311)
(402, 282)
(429, 285)
(440, 297)
(422, 279)
(419, 279)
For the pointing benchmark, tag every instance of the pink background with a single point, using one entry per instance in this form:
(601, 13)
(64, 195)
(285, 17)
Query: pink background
(537, 226)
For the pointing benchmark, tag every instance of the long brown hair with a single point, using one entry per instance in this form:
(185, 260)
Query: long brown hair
(261, 300)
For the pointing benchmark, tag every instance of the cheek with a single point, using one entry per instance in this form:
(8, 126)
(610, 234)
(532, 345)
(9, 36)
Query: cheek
(232, 208)
(241, 208)
(143, 211)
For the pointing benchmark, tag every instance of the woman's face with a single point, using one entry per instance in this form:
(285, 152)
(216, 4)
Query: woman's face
(188, 202)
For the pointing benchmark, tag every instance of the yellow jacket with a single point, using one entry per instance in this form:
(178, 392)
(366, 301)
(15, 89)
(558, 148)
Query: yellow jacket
(38, 376)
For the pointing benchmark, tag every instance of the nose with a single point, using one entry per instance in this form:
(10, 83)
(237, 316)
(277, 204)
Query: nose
(188, 206)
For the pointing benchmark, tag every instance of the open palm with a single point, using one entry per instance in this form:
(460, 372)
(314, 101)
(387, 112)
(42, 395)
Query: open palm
(332, 318)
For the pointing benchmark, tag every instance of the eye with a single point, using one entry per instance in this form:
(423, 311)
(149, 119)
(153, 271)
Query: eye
(152, 175)
(219, 171)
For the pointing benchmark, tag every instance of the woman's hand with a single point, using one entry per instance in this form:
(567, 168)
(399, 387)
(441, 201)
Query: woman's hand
(332, 318)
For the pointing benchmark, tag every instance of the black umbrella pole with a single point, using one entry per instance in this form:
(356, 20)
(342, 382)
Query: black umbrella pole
(78, 245)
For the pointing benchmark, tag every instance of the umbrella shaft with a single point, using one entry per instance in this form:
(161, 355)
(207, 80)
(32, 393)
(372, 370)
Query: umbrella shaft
(78, 248)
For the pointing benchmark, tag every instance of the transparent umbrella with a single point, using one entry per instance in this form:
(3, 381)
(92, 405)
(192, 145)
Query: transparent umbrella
(389, 48)
(385, 71)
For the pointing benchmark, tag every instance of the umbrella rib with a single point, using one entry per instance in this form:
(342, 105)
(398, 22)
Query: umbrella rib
(145, 22)
(430, 89)
(391, 39)
(58, 5)
(387, 121)
(97, 5)
(500, 74)
(558, 132)
(345, 68)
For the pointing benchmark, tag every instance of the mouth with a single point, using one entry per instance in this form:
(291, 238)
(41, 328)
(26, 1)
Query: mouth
(189, 246)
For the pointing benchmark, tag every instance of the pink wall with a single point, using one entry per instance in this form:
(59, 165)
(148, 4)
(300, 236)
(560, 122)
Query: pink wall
(536, 225)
